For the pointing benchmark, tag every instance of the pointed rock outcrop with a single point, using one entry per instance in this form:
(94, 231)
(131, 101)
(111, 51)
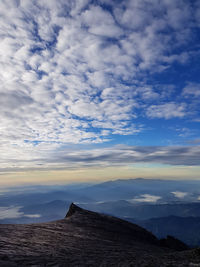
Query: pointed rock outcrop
(72, 209)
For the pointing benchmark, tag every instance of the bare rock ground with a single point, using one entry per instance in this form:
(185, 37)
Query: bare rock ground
(87, 238)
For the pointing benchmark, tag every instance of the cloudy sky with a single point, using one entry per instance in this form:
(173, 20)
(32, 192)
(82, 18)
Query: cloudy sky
(99, 89)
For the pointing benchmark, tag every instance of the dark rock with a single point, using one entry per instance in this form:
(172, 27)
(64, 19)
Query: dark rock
(86, 238)
(72, 209)
(173, 243)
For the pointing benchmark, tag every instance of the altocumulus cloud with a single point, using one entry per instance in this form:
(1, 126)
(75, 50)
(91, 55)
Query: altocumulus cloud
(75, 72)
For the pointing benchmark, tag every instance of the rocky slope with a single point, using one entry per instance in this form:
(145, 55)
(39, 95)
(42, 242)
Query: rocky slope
(86, 238)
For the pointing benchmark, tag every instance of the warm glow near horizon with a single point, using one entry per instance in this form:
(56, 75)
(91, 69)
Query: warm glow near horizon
(99, 175)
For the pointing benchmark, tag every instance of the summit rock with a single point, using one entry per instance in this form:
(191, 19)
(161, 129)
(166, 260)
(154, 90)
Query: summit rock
(86, 238)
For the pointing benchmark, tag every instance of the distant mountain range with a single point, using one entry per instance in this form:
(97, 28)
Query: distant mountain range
(86, 238)
(186, 229)
(167, 190)
(145, 211)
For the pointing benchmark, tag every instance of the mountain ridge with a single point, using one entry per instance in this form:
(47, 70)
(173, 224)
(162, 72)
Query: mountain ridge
(86, 238)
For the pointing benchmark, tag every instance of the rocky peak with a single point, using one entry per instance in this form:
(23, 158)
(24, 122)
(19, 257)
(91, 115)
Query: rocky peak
(72, 209)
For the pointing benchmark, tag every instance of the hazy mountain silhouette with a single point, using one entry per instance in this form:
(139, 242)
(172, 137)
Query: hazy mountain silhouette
(142, 211)
(186, 229)
(129, 188)
(86, 238)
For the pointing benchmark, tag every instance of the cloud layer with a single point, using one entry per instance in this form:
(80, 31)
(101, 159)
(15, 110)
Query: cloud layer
(120, 155)
(14, 212)
(78, 72)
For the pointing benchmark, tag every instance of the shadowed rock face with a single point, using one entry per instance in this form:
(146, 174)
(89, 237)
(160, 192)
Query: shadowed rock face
(72, 209)
(86, 238)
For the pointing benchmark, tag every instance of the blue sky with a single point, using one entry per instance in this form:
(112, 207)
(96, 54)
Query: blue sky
(98, 84)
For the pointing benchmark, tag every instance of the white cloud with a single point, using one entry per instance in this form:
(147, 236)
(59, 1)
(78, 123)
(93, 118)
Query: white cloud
(179, 194)
(192, 90)
(167, 110)
(146, 198)
(32, 215)
(10, 212)
(100, 22)
(14, 212)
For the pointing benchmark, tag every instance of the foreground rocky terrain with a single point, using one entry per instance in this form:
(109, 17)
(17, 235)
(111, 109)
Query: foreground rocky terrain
(86, 238)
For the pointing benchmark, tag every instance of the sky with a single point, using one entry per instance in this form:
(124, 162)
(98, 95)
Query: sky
(97, 90)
